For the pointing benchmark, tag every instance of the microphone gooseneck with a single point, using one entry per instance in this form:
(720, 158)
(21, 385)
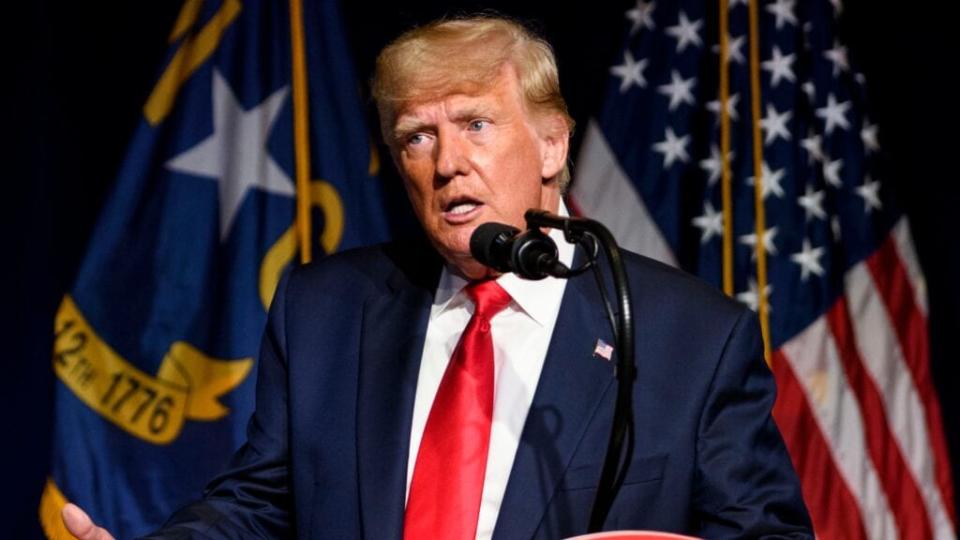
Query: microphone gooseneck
(533, 255)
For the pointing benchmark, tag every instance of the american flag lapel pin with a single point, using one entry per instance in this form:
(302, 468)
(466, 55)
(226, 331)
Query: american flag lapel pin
(603, 350)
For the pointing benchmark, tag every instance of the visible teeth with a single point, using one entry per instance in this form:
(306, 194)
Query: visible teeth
(463, 208)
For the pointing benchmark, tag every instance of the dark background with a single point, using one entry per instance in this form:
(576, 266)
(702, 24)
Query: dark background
(79, 72)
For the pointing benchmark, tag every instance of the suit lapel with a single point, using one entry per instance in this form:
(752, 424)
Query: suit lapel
(572, 385)
(394, 328)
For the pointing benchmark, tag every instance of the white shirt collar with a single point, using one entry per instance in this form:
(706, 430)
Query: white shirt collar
(539, 299)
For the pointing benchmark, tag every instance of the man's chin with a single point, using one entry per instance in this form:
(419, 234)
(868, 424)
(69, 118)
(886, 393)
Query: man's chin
(454, 247)
(468, 268)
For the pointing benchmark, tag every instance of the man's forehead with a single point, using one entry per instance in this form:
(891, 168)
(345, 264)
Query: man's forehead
(448, 104)
(488, 98)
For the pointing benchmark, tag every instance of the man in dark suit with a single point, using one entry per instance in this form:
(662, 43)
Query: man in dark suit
(408, 390)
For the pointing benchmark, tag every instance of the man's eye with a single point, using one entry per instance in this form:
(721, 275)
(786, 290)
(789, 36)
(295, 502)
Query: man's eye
(477, 125)
(415, 139)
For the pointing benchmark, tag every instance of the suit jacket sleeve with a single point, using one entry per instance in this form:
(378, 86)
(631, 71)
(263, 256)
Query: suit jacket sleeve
(251, 499)
(747, 487)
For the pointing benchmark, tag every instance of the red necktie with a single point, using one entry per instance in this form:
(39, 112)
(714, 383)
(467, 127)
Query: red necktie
(447, 483)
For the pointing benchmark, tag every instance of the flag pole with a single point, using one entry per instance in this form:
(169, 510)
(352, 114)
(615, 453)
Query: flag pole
(760, 216)
(301, 129)
(726, 181)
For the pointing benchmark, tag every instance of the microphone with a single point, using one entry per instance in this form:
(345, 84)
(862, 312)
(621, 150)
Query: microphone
(530, 254)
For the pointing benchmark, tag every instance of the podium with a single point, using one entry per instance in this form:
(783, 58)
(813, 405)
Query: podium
(632, 535)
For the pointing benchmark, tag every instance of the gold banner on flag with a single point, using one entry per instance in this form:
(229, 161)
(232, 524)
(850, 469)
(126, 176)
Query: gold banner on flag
(153, 408)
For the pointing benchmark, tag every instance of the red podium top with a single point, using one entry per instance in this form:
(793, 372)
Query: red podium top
(632, 535)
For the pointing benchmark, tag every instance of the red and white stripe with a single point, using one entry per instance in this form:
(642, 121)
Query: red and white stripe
(809, 367)
(908, 257)
(902, 381)
(856, 401)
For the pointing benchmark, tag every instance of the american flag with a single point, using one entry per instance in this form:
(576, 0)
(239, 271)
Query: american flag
(603, 350)
(844, 292)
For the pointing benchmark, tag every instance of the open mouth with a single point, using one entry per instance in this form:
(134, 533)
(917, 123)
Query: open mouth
(461, 208)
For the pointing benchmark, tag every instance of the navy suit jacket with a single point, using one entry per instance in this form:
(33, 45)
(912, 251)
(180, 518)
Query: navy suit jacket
(327, 448)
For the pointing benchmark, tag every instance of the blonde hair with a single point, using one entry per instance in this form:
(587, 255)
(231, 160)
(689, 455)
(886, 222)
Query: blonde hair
(465, 55)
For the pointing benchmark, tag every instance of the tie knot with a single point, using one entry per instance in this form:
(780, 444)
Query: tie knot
(488, 297)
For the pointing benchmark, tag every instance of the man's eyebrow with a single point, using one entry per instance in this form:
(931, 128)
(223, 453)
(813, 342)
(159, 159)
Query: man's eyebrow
(472, 112)
(407, 125)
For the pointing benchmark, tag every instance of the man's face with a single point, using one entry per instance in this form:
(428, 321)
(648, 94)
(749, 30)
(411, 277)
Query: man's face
(470, 159)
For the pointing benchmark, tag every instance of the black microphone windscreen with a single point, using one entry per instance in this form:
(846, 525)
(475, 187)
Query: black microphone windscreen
(490, 244)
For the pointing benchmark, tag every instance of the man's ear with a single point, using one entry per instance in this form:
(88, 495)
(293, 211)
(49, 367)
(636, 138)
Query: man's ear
(554, 144)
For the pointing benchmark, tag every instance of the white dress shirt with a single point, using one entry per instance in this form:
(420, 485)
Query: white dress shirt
(521, 335)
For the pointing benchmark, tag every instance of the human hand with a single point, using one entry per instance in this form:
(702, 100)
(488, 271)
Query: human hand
(80, 525)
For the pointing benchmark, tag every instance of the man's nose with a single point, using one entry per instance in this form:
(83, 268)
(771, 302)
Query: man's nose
(451, 155)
